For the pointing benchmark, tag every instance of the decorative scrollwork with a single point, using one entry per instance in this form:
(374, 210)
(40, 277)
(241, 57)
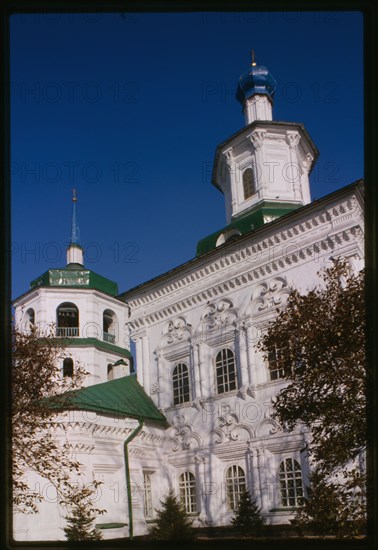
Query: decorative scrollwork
(230, 429)
(183, 437)
(176, 330)
(268, 295)
(219, 315)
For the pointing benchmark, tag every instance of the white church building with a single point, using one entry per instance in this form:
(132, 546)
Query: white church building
(192, 411)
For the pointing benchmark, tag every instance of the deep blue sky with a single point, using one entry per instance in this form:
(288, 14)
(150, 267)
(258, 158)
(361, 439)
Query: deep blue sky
(129, 110)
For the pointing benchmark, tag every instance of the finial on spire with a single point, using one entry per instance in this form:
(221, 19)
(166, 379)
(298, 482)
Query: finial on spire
(75, 229)
(253, 64)
(74, 250)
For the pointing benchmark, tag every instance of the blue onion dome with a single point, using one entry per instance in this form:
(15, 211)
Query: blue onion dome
(257, 80)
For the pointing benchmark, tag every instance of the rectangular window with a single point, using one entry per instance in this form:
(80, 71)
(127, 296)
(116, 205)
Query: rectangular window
(180, 380)
(291, 485)
(276, 372)
(148, 509)
(226, 379)
(235, 486)
(188, 496)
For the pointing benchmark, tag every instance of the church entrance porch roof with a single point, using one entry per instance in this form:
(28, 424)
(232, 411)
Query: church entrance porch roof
(123, 397)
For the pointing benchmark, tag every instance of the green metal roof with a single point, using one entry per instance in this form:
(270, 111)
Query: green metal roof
(114, 525)
(98, 344)
(75, 276)
(123, 397)
(246, 223)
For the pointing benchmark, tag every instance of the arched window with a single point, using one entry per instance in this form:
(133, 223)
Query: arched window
(188, 496)
(67, 320)
(249, 186)
(225, 371)
(108, 323)
(30, 316)
(68, 367)
(291, 484)
(147, 491)
(276, 372)
(180, 382)
(235, 486)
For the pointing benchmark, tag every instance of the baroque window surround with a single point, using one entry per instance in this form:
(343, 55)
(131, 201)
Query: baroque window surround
(221, 326)
(175, 348)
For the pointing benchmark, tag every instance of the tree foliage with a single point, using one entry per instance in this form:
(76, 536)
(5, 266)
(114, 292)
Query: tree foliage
(333, 508)
(247, 518)
(320, 343)
(172, 521)
(36, 374)
(81, 515)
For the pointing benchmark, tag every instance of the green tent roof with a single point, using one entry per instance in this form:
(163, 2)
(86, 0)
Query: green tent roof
(123, 397)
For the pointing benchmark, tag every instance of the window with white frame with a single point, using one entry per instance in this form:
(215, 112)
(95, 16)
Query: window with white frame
(235, 486)
(180, 382)
(291, 484)
(225, 371)
(147, 493)
(188, 495)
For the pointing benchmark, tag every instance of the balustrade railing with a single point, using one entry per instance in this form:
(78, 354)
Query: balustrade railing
(67, 332)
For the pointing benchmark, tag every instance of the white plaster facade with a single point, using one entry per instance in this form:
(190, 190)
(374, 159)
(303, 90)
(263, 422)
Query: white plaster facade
(91, 305)
(221, 300)
(225, 300)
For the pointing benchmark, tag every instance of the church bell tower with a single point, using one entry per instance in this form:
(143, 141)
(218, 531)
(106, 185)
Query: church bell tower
(84, 312)
(265, 166)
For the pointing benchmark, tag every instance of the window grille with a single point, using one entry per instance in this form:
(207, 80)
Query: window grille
(225, 371)
(180, 381)
(147, 490)
(249, 187)
(188, 497)
(276, 372)
(291, 484)
(235, 486)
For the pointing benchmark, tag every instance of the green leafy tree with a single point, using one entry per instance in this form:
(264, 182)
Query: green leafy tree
(319, 343)
(82, 515)
(247, 518)
(172, 521)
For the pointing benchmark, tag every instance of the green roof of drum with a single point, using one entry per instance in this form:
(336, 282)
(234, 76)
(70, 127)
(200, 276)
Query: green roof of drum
(245, 224)
(123, 397)
(75, 276)
(95, 342)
